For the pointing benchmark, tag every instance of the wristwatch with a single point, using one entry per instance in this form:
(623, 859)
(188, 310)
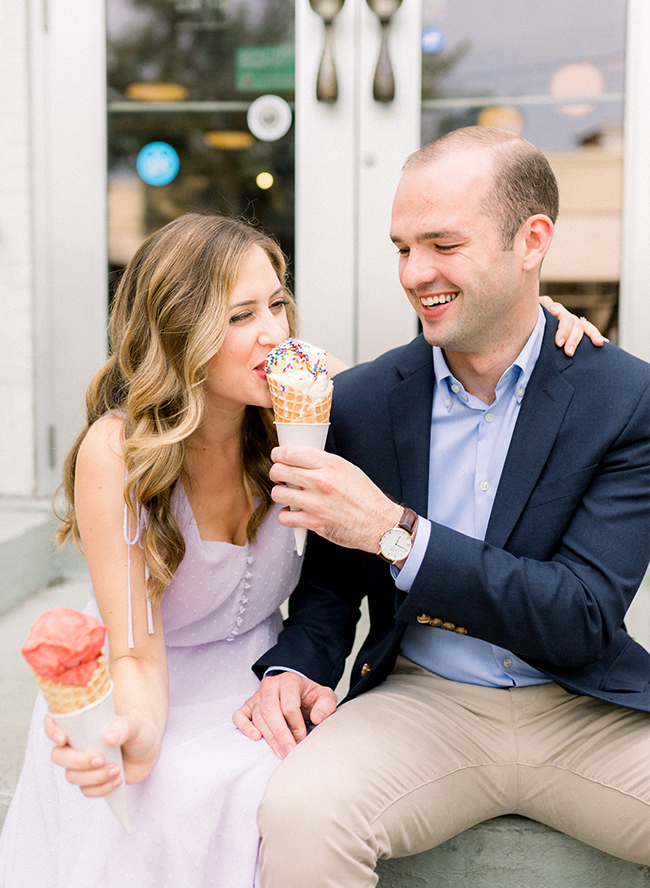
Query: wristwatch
(397, 542)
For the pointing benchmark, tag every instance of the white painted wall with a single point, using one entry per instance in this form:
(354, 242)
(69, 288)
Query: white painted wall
(634, 317)
(52, 231)
(17, 433)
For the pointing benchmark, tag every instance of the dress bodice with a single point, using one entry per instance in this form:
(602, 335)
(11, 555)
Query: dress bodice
(220, 590)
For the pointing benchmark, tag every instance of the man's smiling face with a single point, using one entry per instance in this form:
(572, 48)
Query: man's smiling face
(467, 290)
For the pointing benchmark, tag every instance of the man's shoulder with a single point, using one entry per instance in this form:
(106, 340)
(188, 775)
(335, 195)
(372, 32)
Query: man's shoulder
(608, 368)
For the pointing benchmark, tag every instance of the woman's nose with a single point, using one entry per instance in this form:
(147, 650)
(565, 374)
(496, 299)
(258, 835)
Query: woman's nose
(273, 332)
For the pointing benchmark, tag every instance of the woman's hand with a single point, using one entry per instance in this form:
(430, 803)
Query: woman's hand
(88, 770)
(570, 328)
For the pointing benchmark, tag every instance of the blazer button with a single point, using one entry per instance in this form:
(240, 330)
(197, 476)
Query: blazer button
(365, 669)
(461, 630)
(436, 622)
(423, 618)
(448, 626)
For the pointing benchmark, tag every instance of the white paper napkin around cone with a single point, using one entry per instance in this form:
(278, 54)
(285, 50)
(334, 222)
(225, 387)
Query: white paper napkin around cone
(85, 728)
(302, 434)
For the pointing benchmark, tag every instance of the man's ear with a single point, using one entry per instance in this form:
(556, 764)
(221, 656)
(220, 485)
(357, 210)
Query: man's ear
(536, 235)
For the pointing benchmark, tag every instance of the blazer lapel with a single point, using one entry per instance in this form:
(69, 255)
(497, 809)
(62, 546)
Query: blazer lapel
(409, 404)
(542, 410)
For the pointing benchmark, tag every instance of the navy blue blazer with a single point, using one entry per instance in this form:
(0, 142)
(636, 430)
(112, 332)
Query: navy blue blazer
(565, 550)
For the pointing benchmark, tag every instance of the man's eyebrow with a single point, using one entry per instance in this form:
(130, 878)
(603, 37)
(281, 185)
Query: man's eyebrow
(431, 235)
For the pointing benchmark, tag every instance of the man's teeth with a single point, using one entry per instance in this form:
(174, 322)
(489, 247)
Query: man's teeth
(430, 301)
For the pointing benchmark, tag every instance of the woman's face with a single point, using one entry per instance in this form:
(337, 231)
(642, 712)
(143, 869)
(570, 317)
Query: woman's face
(257, 323)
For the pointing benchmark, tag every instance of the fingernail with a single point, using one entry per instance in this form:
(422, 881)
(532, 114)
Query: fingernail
(117, 780)
(287, 749)
(112, 737)
(113, 771)
(570, 350)
(560, 342)
(96, 762)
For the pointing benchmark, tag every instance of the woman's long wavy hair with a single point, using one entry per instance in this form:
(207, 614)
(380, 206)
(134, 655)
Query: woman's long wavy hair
(169, 318)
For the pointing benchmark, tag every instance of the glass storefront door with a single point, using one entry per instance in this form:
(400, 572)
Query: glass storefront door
(553, 72)
(200, 115)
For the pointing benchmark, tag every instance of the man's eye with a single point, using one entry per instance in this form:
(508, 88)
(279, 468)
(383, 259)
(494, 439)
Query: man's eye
(445, 248)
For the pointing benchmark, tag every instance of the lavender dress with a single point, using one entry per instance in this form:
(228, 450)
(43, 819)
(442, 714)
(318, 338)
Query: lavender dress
(193, 818)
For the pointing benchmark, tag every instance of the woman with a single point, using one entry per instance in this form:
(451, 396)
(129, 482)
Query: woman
(169, 494)
(175, 461)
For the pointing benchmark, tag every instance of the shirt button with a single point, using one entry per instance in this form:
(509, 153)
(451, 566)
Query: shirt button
(455, 388)
(520, 392)
(489, 417)
(484, 485)
(447, 402)
(507, 662)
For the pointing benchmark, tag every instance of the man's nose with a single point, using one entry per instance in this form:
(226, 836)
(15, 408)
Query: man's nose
(417, 268)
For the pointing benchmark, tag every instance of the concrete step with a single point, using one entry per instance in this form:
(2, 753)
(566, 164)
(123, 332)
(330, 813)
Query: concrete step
(512, 852)
(28, 557)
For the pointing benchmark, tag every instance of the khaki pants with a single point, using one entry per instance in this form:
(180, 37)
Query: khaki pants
(419, 759)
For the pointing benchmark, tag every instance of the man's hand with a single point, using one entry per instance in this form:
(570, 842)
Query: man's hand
(570, 328)
(335, 498)
(277, 711)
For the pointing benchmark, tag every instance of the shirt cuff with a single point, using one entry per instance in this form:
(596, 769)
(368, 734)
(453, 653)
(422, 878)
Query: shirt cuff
(405, 577)
(273, 670)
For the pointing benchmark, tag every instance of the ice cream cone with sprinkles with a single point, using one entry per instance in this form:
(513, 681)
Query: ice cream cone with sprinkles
(301, 391)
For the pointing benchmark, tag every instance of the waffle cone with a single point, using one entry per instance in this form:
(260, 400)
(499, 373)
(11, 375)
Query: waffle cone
(68, 698)
(295, 406)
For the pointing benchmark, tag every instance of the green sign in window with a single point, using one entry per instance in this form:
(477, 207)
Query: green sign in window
(267, 68)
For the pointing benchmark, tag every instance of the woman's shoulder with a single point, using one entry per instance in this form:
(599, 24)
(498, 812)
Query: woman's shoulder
(103, 443)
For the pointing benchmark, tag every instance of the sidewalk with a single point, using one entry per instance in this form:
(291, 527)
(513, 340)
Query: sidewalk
(17, 686)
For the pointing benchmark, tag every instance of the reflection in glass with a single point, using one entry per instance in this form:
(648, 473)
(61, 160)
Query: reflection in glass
(184, 73)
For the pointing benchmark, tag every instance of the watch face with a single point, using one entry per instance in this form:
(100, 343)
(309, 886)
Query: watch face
(396, 544)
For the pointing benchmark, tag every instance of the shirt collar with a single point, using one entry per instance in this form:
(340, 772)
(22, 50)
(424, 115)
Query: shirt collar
(520, 370)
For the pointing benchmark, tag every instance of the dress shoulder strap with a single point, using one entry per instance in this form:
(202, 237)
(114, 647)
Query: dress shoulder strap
(132, 540)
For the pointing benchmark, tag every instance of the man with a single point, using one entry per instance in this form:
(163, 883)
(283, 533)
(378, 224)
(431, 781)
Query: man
(508, 484)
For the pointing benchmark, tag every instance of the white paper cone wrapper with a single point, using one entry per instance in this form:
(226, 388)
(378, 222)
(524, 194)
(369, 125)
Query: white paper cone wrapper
(302, 434)
(85, 729)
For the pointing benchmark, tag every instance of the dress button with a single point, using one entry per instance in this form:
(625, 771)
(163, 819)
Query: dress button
(507, 662)
(365, 669)
(484, 485)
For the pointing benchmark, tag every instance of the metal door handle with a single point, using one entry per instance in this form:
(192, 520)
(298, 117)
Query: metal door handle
(327, 88)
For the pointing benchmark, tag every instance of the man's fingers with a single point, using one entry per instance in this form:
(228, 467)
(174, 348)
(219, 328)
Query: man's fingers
(243, 719)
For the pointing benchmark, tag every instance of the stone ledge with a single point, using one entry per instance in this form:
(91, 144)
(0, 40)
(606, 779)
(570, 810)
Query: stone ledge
(28, 557)
(512, 852)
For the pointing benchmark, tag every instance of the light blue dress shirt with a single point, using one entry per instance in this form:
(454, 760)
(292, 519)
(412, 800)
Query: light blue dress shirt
(469, 445)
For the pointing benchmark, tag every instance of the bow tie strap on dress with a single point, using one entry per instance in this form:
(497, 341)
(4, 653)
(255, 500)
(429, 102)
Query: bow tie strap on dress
(131, 542)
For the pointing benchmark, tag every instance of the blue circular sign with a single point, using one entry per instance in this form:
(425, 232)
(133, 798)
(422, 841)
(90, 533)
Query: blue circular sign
(158, 163)
(433, 39)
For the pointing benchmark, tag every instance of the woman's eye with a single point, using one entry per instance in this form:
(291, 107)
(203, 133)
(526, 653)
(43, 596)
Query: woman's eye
(280, 303)
(240, 317)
